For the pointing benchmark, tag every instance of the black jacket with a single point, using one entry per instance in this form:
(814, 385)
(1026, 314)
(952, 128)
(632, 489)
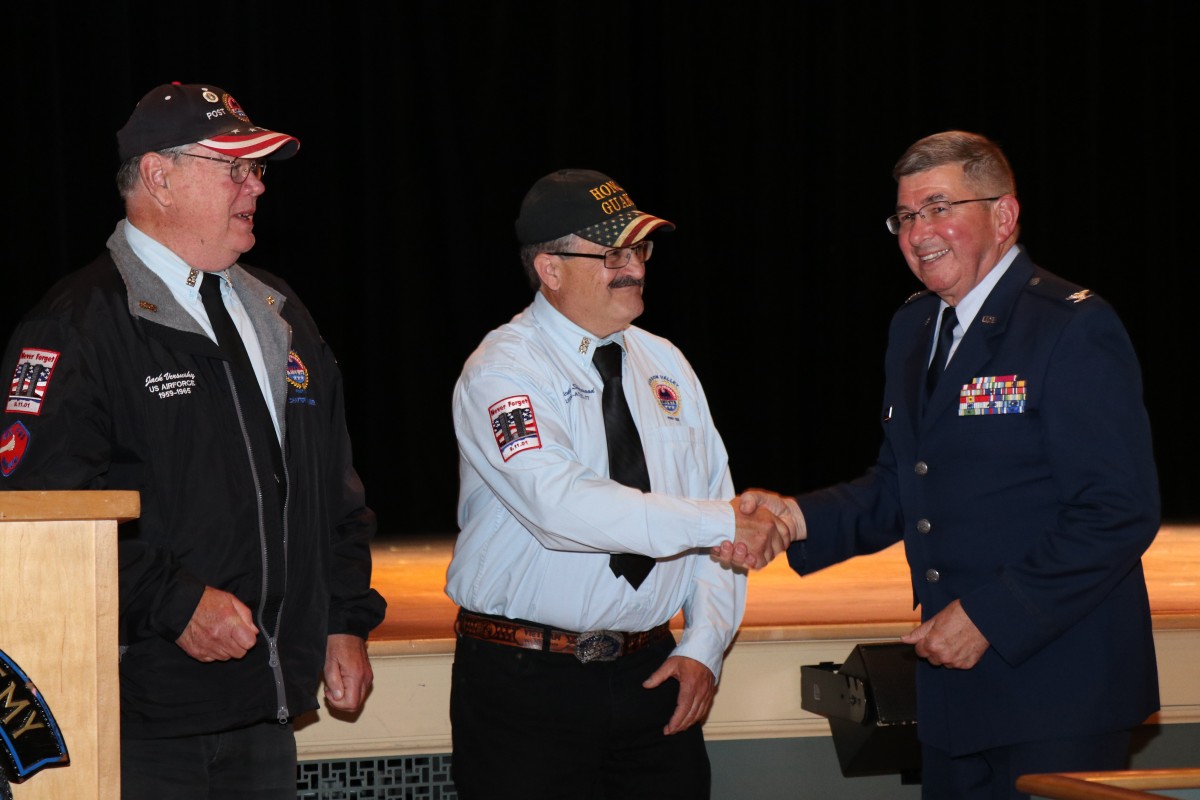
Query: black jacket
(136, 396)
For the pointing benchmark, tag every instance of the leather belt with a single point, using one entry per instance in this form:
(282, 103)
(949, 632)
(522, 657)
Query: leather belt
(586, 647)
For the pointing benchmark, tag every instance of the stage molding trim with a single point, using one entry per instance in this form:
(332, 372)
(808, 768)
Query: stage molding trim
(407, 712)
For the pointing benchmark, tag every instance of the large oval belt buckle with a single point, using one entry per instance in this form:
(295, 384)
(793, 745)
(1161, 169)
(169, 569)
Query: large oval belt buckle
(599, 646)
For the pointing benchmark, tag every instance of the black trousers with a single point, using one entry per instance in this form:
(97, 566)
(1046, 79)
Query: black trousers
(992, 774)
(253, 763)
(534, 726)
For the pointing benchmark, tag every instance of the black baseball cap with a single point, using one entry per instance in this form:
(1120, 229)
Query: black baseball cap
(175, 114)
(587, 203)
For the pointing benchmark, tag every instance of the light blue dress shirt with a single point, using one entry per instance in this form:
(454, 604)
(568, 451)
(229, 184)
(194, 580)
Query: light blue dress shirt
(539, 514)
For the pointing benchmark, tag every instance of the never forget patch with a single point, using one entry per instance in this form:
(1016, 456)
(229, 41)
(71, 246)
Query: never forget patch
(514, 425)
(30, 380)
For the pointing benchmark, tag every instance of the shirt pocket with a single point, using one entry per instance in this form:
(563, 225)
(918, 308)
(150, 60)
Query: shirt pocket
(677, 460)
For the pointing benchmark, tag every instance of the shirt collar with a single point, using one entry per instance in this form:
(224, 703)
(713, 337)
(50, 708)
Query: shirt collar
(972, 301)
(566, 333)
(172, 270)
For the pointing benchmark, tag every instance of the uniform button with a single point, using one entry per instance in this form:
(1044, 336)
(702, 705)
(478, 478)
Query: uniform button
(932, 575)
(923, 526)
(920, 468)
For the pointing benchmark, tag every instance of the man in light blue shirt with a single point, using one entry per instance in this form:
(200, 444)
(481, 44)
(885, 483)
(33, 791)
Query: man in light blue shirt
(565, 666)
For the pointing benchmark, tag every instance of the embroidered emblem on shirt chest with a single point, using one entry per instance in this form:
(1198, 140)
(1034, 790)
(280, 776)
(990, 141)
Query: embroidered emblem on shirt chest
(666, 394)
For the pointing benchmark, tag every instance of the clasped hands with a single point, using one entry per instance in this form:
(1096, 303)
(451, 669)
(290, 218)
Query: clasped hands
(766, 523)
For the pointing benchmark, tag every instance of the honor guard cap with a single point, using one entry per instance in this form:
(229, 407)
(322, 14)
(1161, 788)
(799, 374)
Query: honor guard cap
(587, 203)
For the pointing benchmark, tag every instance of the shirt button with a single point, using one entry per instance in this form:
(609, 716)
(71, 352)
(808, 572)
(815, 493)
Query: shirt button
(920, 468)
(923, 526)
(932, 575)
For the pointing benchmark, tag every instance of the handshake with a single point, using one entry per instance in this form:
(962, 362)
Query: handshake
(766, 523)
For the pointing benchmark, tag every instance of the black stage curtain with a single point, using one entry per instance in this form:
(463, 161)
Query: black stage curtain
(766, 131)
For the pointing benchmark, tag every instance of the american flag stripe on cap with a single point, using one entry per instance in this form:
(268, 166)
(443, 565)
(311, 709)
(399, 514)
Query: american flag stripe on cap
(638, 227)
(254, 145)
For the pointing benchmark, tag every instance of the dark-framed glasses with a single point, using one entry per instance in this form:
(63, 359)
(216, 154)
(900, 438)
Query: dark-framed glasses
(936, 211)
(239, 170)
(620, 256)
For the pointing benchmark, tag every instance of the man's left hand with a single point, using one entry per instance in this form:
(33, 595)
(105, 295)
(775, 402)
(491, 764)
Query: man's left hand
(949, 639)
(696, 689)
(348, 674)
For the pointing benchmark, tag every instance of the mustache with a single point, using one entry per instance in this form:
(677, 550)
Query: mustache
(627, 280)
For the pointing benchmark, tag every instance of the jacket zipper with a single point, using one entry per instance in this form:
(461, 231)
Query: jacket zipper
(271, 635)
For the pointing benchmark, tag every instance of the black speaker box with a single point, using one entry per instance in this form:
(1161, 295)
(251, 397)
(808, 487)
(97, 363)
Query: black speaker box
(871, 703)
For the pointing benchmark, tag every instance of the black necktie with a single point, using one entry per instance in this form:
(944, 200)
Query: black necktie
(626, 459)
(249, 392)
(940, 356)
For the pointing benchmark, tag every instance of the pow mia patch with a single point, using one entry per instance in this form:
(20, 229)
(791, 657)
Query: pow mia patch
(514, 425)
(666, 393)
(30, 380)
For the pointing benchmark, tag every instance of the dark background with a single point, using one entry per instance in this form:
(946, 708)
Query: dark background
(766, 131)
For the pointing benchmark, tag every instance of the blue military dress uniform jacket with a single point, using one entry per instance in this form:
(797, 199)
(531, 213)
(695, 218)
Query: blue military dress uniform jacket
(1025, 487)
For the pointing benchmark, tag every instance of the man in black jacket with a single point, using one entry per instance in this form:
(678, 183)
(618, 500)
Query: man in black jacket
(168, 368)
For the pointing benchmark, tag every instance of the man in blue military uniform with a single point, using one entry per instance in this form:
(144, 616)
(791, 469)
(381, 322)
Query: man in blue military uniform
(1017, 467)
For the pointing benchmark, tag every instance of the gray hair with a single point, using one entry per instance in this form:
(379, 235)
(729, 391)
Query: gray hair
(127, 175)
(983, 162)
(529, 252)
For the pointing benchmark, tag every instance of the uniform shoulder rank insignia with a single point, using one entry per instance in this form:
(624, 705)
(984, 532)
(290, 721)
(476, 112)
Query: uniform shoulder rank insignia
(915, 295)
(1080, 296)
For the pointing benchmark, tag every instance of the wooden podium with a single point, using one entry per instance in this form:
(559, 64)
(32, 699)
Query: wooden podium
(58, 621)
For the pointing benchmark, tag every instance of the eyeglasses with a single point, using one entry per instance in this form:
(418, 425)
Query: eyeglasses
(238, 170)
(938, 210)
(618, 258)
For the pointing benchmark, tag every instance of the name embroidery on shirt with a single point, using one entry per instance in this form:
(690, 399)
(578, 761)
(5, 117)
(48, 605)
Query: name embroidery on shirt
(514, 425)
(577, 391)
(171, 384)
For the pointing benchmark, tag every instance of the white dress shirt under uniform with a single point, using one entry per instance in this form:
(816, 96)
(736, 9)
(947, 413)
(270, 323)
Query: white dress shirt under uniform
(971, 302)
(537, 528)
